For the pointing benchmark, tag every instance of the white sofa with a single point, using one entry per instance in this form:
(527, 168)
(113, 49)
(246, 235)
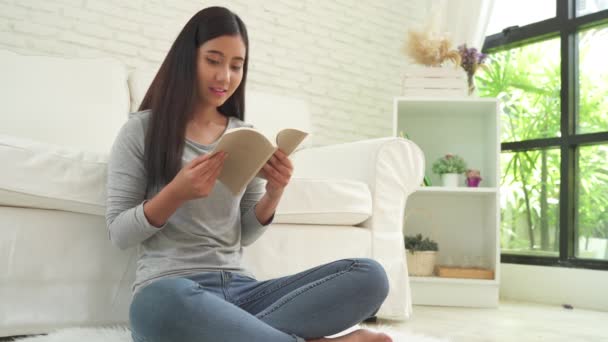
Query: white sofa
(58, 121)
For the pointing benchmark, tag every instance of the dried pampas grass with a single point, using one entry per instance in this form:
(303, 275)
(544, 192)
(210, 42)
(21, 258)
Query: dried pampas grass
(430, 49)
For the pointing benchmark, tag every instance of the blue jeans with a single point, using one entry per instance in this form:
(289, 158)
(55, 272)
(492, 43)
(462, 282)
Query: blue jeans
(224, 306)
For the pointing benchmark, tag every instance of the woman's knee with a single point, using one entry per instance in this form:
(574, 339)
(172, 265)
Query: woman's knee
(375, 281)
(156, 304)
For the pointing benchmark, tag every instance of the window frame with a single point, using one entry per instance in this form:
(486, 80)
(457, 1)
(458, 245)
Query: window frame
(564, 25)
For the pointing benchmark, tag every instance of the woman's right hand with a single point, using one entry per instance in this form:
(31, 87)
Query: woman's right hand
(197, 178)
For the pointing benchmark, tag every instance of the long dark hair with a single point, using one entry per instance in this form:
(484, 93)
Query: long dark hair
(173, 93)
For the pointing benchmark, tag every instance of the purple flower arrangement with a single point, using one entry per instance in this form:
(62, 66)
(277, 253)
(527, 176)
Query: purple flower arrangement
(470, 61)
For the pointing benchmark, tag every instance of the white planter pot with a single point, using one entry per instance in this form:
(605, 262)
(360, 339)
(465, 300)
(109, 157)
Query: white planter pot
(450, 179)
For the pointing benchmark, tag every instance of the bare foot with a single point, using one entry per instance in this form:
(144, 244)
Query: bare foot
(361, 335)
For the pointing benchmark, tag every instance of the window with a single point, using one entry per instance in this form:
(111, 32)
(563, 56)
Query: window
(509, 13)
(549, 70)
(591, 225)
(527, 80)
(584, 7)
(593, 80)
(530, 202)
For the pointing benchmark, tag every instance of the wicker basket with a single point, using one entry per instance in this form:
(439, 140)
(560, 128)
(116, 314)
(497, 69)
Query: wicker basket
(421, 263)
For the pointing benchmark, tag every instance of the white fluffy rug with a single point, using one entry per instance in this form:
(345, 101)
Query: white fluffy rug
(122, 334)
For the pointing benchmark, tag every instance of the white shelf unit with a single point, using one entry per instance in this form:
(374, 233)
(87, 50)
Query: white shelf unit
(464, 221)
(459, 190)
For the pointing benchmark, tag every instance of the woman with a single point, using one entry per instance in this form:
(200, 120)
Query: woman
(189, 229)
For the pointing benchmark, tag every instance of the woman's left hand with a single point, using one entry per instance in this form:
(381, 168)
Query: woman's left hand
(278, 171)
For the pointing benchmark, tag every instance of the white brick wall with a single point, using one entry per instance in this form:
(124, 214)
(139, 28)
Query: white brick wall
(342, 56)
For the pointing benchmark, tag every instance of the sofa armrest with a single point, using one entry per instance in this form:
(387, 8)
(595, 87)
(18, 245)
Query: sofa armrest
(387, 165)
(393, 168)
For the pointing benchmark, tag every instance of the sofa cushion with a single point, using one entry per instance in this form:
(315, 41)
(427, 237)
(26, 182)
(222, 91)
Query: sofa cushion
(324, 201)
(47, 176)
(79, 102)
(41, 175)
(139, 81)
(289, 246)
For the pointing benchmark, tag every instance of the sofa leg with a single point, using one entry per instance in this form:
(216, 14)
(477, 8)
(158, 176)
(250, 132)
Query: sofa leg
(372, 319)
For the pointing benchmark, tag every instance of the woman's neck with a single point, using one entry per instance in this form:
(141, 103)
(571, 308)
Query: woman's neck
(207, 115)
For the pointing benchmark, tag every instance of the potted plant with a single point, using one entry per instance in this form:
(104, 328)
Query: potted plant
(473, 178)
(449, 167)
(421, 255)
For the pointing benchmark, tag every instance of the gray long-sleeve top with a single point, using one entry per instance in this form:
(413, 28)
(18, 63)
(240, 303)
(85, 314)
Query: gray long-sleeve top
(205, 234)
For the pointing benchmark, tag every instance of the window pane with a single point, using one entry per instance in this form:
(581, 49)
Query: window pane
(527, 82)
(507, 13)
(590, 6)
(593, 80)
(592, 202)
(530, 202)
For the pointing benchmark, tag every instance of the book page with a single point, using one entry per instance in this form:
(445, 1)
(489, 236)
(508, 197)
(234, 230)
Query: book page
(287, 140)
(248, 150)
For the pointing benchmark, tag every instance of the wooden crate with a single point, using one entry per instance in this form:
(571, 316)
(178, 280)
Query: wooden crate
(465, 272)
(433, 81)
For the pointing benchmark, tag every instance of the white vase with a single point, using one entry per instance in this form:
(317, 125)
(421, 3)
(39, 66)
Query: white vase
(450, 179)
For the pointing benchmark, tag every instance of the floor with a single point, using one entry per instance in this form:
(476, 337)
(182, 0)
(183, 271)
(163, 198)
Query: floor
(511, 322)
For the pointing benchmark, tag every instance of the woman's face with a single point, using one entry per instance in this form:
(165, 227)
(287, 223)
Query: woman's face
(220, 64)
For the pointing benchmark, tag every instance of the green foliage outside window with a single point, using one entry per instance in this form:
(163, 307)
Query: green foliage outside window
(526, 80)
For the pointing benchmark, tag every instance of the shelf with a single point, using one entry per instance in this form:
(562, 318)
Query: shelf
(453, 106)
(468, 127)
(463, 221)
(441, 280)
(473, 293)
(434, 99)
(458, 190)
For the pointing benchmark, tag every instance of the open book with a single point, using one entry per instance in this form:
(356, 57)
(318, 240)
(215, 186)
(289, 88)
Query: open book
(249, 150)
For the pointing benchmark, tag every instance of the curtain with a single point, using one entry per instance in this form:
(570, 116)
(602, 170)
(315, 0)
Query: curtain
(465, 21)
